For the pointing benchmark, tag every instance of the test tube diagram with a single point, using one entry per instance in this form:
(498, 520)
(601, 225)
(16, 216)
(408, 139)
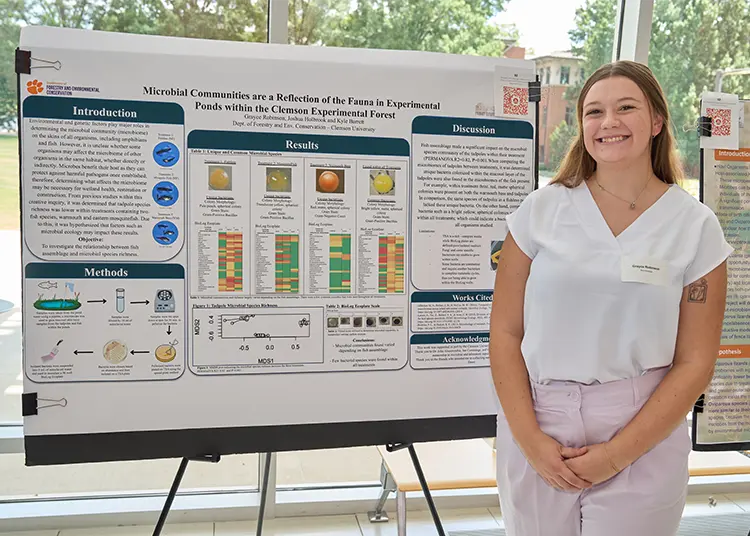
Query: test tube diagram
(120, 300)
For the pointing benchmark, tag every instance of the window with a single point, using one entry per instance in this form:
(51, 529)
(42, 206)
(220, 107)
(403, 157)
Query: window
(690, 40)
(460, 27)
(564, 75)
(570, 115)
(240, 471)
(687, 47)
(246, 21)
(577, 32)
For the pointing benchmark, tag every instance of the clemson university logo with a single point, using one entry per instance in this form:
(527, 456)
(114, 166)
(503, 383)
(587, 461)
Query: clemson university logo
(34, 87)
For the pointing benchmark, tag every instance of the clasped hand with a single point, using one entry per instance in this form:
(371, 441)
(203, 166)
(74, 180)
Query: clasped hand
(566, 468)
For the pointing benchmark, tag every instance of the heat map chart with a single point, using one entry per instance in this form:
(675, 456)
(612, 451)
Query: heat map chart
(230, 261)
(287, 263)
(391, 264)
(340, 263)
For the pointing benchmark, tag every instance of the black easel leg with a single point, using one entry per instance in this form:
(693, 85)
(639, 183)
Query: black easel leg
(264, 494)
(426, 490)
(170, 497)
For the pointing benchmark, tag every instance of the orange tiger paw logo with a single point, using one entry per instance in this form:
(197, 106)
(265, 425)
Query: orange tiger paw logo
(34, 87)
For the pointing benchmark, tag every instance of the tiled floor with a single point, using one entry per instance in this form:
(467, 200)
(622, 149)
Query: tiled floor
(419, 524)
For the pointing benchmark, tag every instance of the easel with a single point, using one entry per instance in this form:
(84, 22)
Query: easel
(535, 96)
(212, 458)
(422, 482)
(215, 458)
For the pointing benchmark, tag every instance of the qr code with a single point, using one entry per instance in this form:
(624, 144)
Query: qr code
(721, 121)
(515, 100)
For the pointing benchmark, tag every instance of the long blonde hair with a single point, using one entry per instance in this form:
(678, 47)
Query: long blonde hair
(578, 164)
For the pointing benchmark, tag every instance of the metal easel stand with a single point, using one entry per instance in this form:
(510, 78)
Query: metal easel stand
(212, 458)
(422, 482)
(265, 484)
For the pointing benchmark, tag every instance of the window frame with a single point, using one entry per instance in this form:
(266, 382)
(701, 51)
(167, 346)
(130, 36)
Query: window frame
(633, 27)
(565, 75)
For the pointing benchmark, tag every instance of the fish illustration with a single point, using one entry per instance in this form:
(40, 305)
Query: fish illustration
(46, 285)
(163, 238)
(165, 197)
(164, 150)
(168, 159)
(168, 233)
(164, 189)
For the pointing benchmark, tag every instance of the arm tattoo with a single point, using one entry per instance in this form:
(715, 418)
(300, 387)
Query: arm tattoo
(697, 292)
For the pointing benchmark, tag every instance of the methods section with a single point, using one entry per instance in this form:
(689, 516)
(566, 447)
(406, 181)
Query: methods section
(104, 322)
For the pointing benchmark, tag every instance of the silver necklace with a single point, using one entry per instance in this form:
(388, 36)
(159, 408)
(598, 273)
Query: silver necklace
(631, 203)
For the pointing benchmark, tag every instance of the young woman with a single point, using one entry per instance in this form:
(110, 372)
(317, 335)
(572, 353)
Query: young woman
(609, 303)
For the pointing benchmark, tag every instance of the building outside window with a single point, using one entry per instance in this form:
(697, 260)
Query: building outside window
(564, 75)
(570, 115)
(559, 99)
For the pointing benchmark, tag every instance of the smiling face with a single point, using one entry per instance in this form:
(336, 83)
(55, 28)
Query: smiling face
(618, 124)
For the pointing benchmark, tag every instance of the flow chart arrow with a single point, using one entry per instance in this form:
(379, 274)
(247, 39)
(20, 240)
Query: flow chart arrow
(97, 301)
(82, 352)
(169, 330)
(139, 302)
(133, 352)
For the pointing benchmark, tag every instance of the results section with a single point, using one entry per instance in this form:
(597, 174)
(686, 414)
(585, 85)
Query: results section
(297, 253)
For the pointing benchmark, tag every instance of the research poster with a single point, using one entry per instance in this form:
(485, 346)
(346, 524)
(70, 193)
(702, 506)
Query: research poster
(235, 234)
(725, 418)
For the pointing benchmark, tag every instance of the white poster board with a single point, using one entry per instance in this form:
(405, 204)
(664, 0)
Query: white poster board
(722, 417)
(234, 247)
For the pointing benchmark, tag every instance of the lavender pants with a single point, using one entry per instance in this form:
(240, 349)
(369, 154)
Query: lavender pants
(645, 499)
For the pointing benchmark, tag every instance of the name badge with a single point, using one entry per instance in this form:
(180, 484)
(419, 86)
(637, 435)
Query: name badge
(645, 270)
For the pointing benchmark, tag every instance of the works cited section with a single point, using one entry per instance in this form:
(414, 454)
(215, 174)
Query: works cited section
(103, 179)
